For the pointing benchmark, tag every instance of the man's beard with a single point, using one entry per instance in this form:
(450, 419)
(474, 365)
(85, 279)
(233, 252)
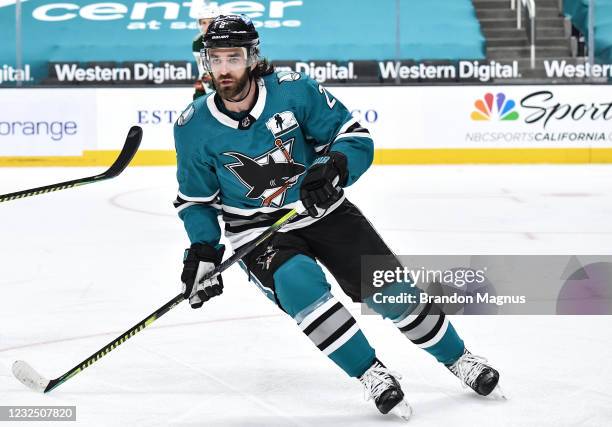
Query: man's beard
(232, 91)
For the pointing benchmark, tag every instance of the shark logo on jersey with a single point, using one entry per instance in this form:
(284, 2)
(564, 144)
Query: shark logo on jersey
(281, 123)
(265, 259)
(287, 76)
(186, 116)
(268, 176)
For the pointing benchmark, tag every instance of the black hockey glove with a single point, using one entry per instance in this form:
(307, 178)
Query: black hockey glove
(201, 258)
(322, 185)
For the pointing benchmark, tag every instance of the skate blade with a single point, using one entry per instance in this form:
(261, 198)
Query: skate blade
(498, 394)
(402, 410)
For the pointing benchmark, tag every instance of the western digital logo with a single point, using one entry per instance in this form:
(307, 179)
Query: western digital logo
(139, 72)
(323, 72)
(9, 74)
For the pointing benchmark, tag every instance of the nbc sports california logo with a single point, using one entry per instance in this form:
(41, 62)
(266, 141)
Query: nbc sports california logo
(545, 119)
(494, 107)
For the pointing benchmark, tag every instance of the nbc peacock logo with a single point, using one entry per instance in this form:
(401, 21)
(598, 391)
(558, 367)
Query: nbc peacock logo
(494, 107)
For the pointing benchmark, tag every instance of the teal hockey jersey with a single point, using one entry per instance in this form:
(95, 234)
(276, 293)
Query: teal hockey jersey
(251, 169)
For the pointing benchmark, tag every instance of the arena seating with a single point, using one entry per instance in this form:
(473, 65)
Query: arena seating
(578, 11)
(435, 29)
(440, 29)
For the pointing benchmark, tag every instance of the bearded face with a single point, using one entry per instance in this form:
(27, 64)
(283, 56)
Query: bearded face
(229, 71)
(231, 85)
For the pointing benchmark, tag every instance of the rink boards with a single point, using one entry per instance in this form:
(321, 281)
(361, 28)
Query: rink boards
(410, 125)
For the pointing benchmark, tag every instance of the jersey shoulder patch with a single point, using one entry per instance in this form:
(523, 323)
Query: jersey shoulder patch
(287, 76)
(186, 115)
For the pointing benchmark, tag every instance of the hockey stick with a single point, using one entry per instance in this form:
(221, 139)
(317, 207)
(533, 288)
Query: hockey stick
(32, 379)
(132, 142)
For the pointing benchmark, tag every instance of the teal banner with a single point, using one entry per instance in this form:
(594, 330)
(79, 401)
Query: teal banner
(157, 34)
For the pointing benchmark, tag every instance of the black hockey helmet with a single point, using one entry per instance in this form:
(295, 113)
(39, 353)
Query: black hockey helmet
(231, 31)
(227, 31)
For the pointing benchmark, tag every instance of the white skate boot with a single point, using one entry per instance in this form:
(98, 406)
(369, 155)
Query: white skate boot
(476, 373)
(381, 385)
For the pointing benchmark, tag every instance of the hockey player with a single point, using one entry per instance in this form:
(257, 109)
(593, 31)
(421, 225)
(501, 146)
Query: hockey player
(205, 16)
(254, 149)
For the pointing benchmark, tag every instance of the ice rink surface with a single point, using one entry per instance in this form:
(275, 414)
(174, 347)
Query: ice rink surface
(81, 266)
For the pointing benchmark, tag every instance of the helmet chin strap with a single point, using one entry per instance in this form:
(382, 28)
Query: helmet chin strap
(247, 92)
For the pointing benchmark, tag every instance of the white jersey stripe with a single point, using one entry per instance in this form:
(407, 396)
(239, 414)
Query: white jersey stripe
(347, 125)
(185, 206)
(353, 135)
(199, 199)
(222, 118)
(239, 239)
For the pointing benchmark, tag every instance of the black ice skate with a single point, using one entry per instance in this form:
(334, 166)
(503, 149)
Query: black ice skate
(474, 372)
(381, 385)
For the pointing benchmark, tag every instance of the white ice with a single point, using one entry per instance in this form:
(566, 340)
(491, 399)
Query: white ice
(80, 266)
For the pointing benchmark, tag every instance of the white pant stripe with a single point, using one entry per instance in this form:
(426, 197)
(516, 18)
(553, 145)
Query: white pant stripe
(408, 319)
(317, 312)
(436, 337)
(342, 340)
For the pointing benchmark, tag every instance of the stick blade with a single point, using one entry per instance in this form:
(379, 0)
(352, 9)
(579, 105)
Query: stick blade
(29, 377)
(132, 142)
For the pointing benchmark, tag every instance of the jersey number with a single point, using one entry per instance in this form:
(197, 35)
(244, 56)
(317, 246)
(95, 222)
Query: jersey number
(330, 101)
